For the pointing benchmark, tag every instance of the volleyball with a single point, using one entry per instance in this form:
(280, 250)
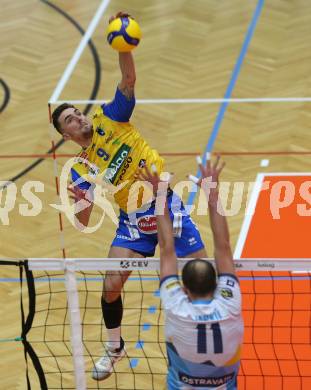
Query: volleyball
(123, 34)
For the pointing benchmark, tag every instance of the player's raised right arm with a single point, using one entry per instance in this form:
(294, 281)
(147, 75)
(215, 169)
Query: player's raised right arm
(168, 258)
(121, 107)
(222, 248)
(128, 80)
(209, 183)
(127, 67)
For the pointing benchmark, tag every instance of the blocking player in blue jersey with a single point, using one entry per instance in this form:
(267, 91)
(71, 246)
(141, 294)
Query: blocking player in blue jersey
(113, 149)
(203, 322)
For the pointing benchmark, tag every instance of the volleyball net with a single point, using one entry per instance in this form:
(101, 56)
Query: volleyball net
(63, 333)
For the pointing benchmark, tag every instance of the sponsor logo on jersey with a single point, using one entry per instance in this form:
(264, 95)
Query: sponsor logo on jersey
(122, 237)
(116, 142)
(147, 224)
(205, 381)
(124, 169)
(93, 170)
(172, 285)
(134, 263)
(82, 158)
(172, 293)
(116, 163)
(100, 131)
(142, 163)
(192, 241)
(226, 293)
(109, 138)
(230, 283)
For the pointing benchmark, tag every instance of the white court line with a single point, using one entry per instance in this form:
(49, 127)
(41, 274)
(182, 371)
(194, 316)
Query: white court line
(73, 62)
(194, 101)
(252, 205)
(249, 215)
(264, 162)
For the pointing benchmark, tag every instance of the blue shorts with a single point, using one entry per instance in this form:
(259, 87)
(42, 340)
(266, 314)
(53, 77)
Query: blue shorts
(138, 231)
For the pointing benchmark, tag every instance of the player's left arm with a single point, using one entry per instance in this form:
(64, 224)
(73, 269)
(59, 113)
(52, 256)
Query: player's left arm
(83, 205)
(168, 258)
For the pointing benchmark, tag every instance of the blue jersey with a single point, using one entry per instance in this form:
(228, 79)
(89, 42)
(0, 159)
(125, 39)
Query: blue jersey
(203, 337)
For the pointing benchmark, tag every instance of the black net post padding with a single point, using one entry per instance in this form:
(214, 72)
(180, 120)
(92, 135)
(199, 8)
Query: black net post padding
(26, 325)
(21, 268)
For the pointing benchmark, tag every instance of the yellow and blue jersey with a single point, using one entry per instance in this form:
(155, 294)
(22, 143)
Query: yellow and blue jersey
(116, 153)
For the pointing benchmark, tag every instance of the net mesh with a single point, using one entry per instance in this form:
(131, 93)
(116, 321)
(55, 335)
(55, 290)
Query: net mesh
(276, 352)
(144, 366)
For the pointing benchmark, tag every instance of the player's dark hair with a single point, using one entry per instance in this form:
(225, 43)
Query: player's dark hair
(56, 114)
(199, 277)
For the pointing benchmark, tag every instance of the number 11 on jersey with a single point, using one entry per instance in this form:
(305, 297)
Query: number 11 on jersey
(217, 338)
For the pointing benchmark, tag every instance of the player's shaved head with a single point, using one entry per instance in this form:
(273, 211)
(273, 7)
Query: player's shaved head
(199, 277)
(56, 114)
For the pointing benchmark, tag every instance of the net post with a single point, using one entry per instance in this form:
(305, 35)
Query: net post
(75, 324)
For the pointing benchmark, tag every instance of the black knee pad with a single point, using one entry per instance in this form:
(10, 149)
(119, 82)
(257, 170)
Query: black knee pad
(112, 313)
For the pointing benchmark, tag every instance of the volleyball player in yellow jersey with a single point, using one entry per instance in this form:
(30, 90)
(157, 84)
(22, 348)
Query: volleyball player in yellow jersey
(114, 150)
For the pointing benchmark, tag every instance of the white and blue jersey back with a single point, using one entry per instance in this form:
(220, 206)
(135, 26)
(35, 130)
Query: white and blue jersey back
(203, 337)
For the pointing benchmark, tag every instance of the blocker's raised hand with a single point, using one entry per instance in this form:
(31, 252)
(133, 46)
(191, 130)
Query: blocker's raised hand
(159, 183)
(209, 179)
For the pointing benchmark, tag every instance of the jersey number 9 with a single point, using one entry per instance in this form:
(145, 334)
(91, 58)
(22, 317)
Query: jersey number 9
(101, 153)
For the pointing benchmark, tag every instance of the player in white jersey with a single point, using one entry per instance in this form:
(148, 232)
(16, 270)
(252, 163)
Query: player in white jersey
(203, 322)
